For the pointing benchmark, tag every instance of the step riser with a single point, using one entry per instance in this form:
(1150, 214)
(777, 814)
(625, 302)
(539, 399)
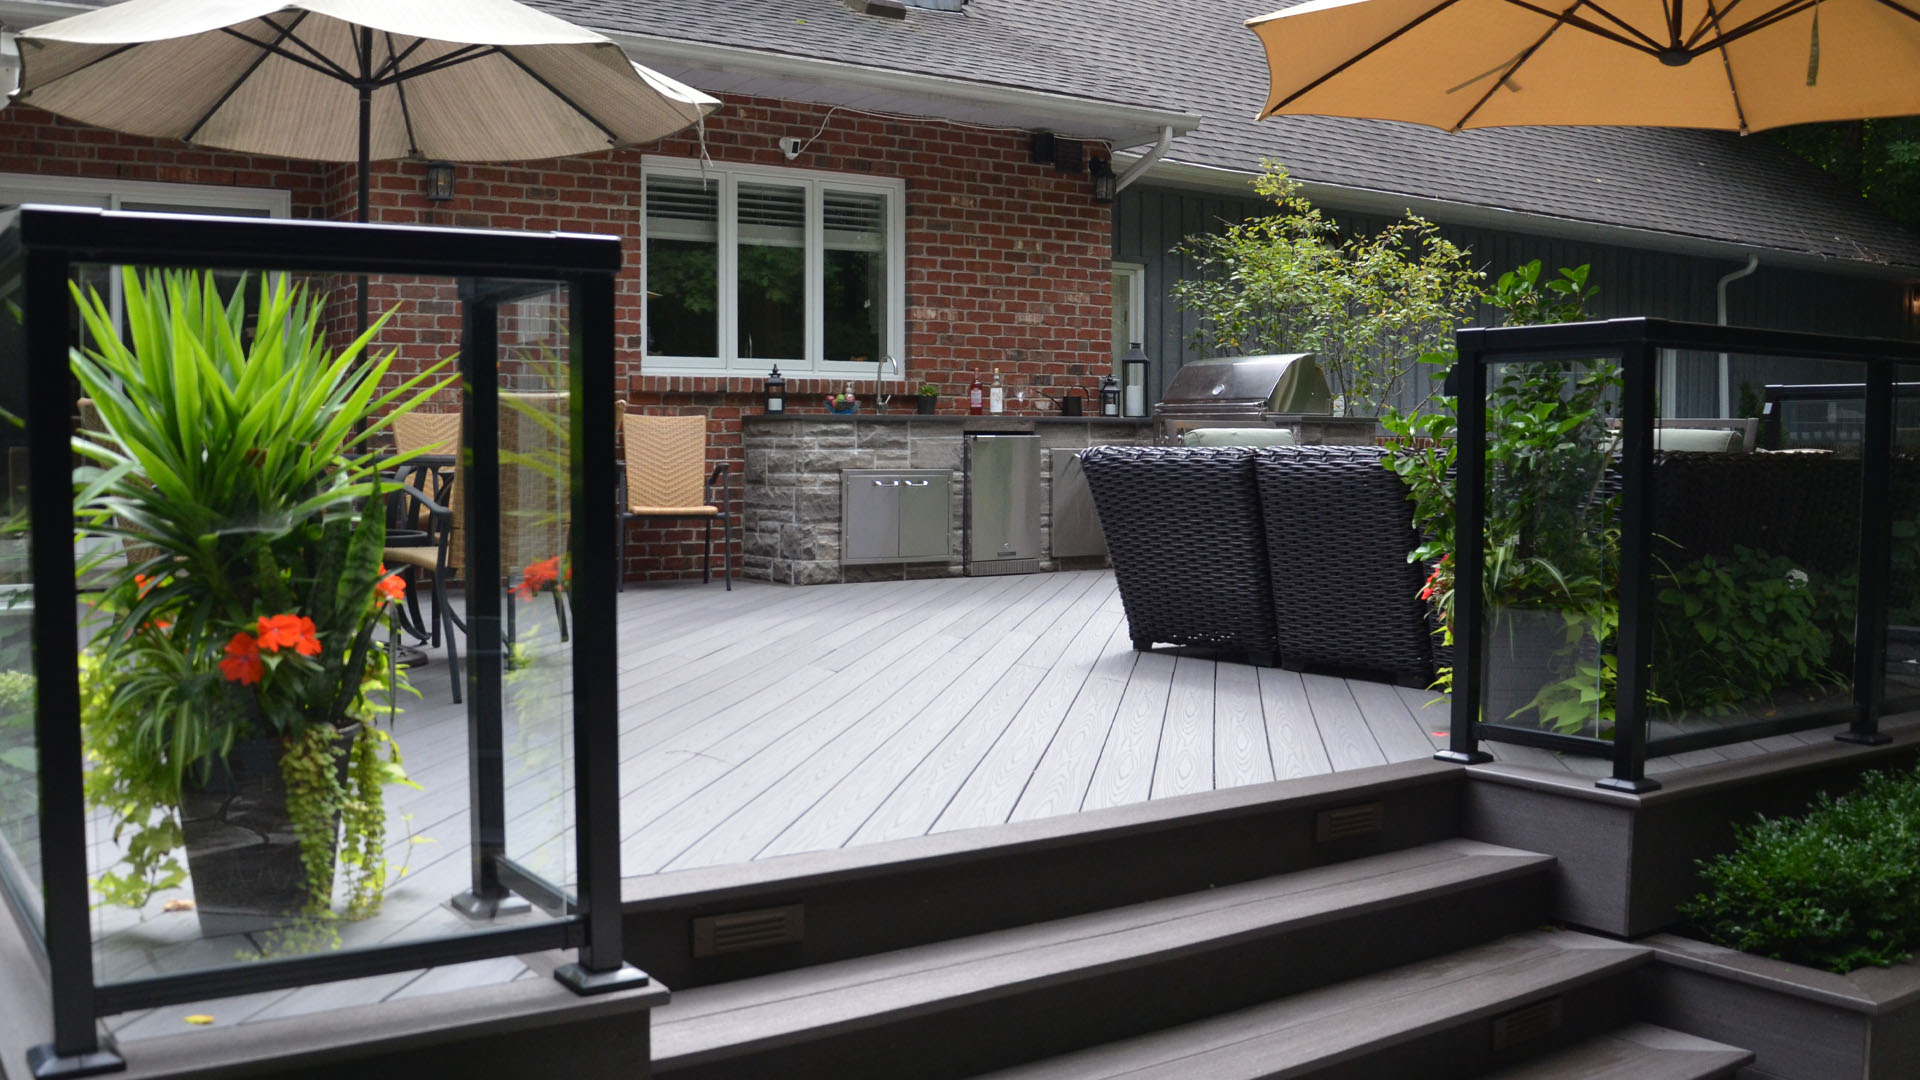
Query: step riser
(1466, 1048)
(922, 891)
(963, 1038)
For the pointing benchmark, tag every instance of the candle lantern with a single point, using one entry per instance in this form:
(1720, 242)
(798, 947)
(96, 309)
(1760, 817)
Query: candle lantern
(1109, 396)
(1134, 365)
(776, 393)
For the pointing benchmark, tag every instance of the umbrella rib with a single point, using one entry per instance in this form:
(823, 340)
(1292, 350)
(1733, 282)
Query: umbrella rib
(400, 89)
(396, 57)
(234, 87)
(1914, 15)
(96, 60)
(441, 63)
(319, 62)
(1568, 17)
(1726, 62)
(570, 103)
(1785, 11)
(1352, 60)
(1515, 66)
(1616, 20)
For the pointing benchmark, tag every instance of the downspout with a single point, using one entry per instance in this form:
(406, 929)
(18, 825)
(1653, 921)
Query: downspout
(1726, 389)
(1146, 160)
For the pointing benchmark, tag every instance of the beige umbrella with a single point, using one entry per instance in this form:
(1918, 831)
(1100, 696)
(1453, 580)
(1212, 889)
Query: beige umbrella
(352, 80)
(1742, 65)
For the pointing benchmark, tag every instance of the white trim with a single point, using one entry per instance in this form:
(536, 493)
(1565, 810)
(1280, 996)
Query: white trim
(1136, 278)
(814, 184)
(275, 202)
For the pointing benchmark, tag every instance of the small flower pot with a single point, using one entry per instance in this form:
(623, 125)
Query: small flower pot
(924, 404)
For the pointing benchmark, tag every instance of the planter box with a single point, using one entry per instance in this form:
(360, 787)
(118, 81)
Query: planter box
(1801, 1023)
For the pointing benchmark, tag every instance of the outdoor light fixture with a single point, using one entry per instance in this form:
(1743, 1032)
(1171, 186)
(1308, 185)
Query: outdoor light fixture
(1103, 180)
(776, 393)
(1134, 366)
(439, 181)
(1109, 396)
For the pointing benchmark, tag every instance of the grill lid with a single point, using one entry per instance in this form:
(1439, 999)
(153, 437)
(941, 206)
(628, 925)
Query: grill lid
(1282, 383)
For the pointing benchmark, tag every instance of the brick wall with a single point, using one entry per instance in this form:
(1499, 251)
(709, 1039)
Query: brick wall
(1007, 262)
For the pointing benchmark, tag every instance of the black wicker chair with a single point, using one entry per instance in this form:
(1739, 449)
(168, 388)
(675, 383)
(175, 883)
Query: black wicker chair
(1183, 532)
(1338, 529)
(1805, 506)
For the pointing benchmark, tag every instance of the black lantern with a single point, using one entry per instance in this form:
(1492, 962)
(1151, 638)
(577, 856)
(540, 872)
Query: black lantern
(439, 181)
(1134, 367)
(1109, 396)
(1104, 182)
(776, 388)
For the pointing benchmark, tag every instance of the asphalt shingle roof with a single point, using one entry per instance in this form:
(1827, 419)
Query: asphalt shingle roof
(1197, 56)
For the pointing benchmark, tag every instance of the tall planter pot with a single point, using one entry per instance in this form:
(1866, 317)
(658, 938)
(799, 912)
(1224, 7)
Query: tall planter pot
(242, 851)
(1526, 650)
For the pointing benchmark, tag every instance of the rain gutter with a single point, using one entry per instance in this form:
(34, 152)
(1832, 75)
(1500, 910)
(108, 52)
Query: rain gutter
(1367, 200)
(1720, 295)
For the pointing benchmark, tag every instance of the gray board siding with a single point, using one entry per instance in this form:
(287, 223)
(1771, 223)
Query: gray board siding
(1149, 221)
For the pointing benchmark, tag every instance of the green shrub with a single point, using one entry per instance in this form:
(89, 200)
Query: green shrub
(1836, 888)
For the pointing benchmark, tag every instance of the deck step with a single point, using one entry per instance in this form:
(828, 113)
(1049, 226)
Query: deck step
(1432, 1019)
(964, 1006)
(1636, 1052)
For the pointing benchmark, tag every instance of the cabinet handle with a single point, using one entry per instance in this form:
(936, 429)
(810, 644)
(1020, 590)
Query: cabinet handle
(886, 483)
(917, 483)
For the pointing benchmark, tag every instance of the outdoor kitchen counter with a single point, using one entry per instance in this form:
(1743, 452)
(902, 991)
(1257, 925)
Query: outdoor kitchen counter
(790, 510)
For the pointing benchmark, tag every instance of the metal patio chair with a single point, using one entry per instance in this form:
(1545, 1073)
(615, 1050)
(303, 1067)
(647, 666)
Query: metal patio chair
(667, 477)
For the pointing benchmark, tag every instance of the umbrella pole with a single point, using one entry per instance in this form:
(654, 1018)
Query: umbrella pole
(366, 154)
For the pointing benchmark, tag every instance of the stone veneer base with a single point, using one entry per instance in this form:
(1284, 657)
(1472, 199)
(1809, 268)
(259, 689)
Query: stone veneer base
(790, 511)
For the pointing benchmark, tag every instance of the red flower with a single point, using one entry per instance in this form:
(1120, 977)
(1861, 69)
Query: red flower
(389, 587)
(242, 664)
(538, 576)
(289, 631)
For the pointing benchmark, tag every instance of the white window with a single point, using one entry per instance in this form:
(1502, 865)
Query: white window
(747, 267)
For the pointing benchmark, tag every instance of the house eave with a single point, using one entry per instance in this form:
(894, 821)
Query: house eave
(1367, 200)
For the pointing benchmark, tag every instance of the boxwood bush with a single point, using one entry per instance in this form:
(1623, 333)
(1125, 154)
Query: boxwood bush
(1836, 888)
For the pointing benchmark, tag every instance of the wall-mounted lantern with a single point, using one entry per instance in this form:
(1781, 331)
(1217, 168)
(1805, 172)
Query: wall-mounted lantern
(439, 181)
(776, 393)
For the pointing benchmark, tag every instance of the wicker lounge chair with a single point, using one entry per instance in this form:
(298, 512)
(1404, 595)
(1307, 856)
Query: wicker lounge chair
(1184, 533)
(1338, 529)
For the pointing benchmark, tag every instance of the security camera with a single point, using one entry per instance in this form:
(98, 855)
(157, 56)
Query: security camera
(790, 147)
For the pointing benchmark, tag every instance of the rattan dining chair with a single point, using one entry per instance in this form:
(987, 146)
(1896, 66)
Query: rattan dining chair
(666, 465)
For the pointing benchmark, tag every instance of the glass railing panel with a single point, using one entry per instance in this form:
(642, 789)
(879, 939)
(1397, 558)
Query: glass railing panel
(20, 865)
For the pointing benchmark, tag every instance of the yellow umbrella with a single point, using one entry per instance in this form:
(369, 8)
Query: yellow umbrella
(1742, 65)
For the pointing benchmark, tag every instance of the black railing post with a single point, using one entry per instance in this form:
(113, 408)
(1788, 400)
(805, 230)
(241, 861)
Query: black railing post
(1633, 640)
(75, 1049)
(1876, 558)
(1469, 543)
(601, 966)
(480, 502)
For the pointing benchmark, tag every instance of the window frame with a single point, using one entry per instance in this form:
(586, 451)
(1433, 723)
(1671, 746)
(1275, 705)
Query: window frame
(815, 184)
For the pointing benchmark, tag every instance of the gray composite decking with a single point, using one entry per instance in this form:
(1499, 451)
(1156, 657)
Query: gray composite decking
(774, 720)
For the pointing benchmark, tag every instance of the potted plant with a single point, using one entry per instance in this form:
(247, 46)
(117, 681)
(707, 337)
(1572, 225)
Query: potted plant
(928, 398)
(1551, 541)
(234, 671)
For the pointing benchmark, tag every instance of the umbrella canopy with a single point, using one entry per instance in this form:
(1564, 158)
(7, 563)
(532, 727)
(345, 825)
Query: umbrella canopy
(1741, 65)
(352, 80)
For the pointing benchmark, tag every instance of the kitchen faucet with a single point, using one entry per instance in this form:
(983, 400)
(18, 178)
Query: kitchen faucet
(879, 399)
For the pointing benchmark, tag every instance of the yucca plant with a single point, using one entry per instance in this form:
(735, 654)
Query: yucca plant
(233, 458)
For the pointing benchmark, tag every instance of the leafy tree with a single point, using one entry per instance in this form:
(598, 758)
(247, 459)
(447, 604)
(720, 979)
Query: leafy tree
(1367, 306)
(1880, 158)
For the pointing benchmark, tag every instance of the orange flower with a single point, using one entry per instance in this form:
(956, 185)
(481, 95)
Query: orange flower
(389, 587)
(242, 664)
(282, 631)
(538, 576)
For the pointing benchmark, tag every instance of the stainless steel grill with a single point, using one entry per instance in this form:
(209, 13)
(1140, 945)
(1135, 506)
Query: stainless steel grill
(1243, 391)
